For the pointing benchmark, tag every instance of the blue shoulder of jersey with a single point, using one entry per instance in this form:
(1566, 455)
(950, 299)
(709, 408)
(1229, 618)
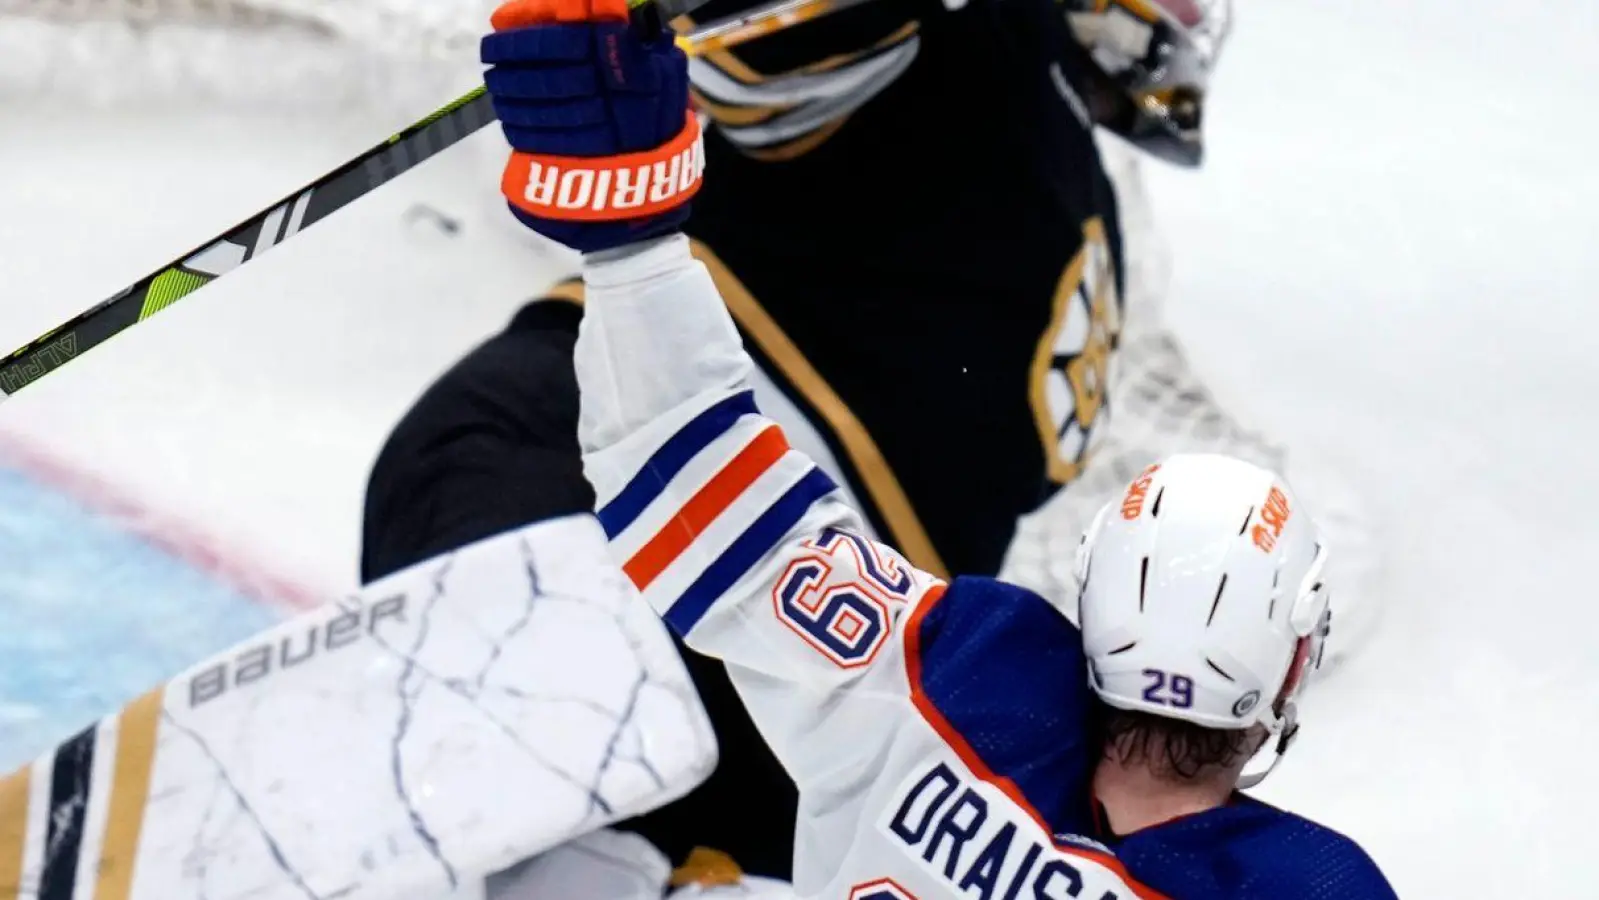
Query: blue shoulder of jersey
(1249, 850)
(1006, 671)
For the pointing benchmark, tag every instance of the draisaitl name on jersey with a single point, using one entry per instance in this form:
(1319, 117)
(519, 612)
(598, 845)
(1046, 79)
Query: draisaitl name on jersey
(970, 834)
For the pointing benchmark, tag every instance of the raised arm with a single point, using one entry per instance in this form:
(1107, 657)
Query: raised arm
(869, 680)
(739, 541)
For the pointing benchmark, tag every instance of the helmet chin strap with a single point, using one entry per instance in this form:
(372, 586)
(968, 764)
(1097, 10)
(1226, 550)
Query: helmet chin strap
(1307, 658)
(1277, 742)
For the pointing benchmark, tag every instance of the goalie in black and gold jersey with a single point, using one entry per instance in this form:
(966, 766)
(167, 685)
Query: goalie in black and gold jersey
(911, 224)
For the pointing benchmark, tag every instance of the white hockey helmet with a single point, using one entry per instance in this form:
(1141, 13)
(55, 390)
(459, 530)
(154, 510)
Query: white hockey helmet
(1202, 597)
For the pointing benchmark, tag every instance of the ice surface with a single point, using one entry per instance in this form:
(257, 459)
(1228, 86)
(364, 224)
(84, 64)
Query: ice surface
(1388, 261)
(257, 406)
(93, 617)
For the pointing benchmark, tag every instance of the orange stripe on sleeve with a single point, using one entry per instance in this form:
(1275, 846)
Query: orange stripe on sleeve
(706, 504)
(525, 13)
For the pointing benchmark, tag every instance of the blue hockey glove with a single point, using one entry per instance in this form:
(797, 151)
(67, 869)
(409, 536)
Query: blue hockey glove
(606, 149)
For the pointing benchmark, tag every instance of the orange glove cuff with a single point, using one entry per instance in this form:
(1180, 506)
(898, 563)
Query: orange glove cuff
(523, 13)
(608, 188)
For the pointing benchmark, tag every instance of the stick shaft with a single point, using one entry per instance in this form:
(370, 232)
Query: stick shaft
(245, 241)
(329, 194)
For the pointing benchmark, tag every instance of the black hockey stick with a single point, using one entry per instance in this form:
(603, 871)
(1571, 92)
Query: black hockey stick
(246, 241)
(336, 190)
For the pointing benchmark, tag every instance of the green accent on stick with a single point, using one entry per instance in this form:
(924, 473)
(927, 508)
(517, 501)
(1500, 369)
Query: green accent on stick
(168, 288)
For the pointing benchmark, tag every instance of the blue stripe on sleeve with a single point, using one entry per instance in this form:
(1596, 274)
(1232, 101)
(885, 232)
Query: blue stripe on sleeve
(661, 468)
(748, 549)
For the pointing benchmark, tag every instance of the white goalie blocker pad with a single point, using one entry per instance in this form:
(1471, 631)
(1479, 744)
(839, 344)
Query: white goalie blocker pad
(443, 725)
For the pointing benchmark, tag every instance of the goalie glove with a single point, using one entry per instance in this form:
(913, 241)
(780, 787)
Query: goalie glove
(606, 151)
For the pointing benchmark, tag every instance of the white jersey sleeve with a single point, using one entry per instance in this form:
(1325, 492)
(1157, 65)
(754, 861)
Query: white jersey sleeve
(740, 542)
(931, 758)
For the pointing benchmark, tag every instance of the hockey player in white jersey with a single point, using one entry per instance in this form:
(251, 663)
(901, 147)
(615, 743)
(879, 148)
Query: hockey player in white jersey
(947, 738)
(1019, 355)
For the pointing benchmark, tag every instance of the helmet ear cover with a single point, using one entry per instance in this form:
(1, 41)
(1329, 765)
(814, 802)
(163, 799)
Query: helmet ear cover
(1310, 607)
(1311, 620)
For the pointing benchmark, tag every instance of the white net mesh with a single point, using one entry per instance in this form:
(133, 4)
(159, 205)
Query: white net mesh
(289, 54)
(1162, 405)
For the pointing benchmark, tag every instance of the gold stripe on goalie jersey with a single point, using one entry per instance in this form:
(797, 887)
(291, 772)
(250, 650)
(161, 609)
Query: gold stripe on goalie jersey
(1071, 367)
(904, 525)
(130, 792)
(739, 70)
(740, 115)
(799, 146)
(1142, 9)
(732, 114)
(14, 790)
(569, 290)
(707, 868)
(884, 489)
